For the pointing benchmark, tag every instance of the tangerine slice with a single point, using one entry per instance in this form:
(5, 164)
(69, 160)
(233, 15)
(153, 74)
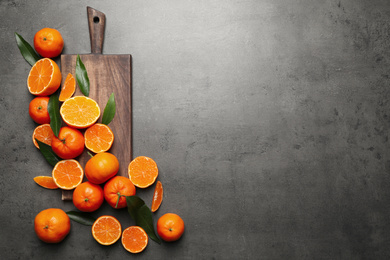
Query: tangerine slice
(80, 111)
(44, 78)
(98, 138)
(46, 182)
(134, 239)
(68, 88)
(157, 196)
(106, 230)
(143, 171)
(43, 133)
(68, 174)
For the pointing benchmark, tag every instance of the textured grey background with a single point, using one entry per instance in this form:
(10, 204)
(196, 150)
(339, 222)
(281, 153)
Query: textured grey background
(268, 119)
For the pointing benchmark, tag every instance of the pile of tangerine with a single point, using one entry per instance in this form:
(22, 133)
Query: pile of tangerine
(81, 113)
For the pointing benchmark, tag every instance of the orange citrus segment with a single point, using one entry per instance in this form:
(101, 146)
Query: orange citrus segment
(46, 182)
(134, 239)
(98, 138)
(80, 111)
(106, 230)
(44, 78)
(157, 197)
(43, 133)
(68, 88)
(143, 171)
(68, 174)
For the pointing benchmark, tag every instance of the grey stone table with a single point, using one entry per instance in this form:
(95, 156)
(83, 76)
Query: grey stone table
(268, 119)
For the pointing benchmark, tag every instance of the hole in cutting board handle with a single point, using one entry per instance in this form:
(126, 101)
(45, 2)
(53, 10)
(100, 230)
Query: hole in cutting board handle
(96, 19)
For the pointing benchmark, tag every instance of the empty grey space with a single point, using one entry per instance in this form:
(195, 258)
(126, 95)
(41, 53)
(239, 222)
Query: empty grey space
(268, 119)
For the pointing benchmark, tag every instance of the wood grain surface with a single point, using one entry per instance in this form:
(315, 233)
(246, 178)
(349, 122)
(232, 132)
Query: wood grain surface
(107, 74)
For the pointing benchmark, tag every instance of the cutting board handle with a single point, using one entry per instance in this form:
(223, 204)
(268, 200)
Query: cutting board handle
(97, 24)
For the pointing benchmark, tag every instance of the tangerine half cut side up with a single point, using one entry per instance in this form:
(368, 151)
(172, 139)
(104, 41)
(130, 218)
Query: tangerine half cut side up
(68, 174)
(43, 133)
(80, 111)
(106, 230)
(143, 171)
(134, 239)
(98, 138)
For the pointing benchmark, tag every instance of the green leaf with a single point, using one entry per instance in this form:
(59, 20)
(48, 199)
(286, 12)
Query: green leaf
(81, 217)
(48, 153)
(26, 50)
(109, 110)
(82, 77)
(53, 108)
(141, 215)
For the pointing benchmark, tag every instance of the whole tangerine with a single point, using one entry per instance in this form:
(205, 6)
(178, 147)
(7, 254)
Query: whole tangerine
(48, 42)
(101, 167)
(52, 225)
(69, 144)
(115, 189)
(88, 197)
(170, 227)
(38, 110)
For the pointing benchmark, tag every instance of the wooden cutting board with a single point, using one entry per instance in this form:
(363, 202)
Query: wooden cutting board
(107, 74)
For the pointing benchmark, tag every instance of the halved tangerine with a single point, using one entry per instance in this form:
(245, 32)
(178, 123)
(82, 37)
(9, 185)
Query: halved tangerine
(106, 230)
(143, 171)
(134, 239)
(43, 133)
(46, 182)
(44, 78)
(68, 88)
(98, 138)
(67, 174)
(80, 111)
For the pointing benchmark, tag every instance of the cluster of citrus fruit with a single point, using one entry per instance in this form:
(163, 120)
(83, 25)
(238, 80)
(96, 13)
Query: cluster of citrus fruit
(81, 113)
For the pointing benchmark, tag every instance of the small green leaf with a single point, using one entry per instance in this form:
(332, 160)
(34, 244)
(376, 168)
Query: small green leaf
(26, 50)
(54, 112)
(142, 216)
(48, 153)
(109, 110)
(81, 217)
(82, 77)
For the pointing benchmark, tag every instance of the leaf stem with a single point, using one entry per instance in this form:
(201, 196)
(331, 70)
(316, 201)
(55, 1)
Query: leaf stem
(119, 197)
